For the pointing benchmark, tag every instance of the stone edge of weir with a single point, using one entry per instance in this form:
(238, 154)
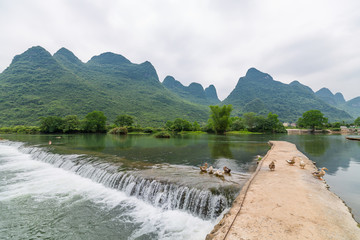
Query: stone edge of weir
(288, 203)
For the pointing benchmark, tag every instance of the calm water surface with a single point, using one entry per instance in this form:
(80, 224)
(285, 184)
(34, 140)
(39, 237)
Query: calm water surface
(89, 186)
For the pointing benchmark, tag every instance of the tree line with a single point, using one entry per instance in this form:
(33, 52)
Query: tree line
(219, 122)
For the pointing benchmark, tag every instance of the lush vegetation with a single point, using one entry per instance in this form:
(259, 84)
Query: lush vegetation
(194, 92)
(312, 119)
(258, 92)
(21, 129)
(38, 84)
(92, 123)
(258, 123)
(119, 130)
(124, 120)
(220, 118)
(65, 90)
(357, 122)
(352, 106)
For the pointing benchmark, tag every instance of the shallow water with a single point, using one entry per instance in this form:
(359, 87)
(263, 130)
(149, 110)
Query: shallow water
(75, 189)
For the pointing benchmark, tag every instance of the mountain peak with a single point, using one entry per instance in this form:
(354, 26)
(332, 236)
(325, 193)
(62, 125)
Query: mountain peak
(211, 93)
(194, 92)
(253, 73)
(33, 54)
(339, 97)
(66, 54)
(325, 92)
(109, 58)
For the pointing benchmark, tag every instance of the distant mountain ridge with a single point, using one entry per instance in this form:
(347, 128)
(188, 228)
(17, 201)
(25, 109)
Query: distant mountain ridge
(352, 106)
(194, 92)
(259, 92)
(37, 84)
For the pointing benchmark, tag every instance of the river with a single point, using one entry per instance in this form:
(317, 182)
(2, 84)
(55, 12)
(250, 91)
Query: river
(139, 187)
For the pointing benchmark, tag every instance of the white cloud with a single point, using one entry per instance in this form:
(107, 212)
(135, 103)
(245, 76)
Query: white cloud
(205, 41)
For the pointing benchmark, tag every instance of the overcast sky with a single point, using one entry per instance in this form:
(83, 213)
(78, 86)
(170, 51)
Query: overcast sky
(209, 42)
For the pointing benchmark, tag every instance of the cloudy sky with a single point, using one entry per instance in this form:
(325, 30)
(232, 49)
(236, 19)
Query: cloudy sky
(204, 41)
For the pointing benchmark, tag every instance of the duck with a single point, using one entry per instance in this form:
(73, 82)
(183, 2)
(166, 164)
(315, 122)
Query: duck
(320, 174)
(204, 168)
(211, 170)
(219, 173)
(226, 170)
(272, 165)
(291, 162)
(258, 159)
(302, 164)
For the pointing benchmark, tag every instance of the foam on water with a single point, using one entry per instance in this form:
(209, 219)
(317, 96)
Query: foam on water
(21, 176)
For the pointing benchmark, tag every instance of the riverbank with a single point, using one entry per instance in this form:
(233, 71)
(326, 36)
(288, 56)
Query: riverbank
(288, 203)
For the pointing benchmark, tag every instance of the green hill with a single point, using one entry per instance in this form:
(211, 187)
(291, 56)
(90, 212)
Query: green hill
(352, 106)
(260, 93)
(38, 84)
(194, 92)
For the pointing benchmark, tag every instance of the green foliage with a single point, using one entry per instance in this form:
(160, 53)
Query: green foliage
(124, 120)
(357, 122)
(162, 134)
(71, 124)
(119, 130)
(237, 124)
(258, 123)
(21, 129)
(193, 93)
(95, 122)
(179, 125)
(51, 124)
(258, 92)
(148, 130)
(209, 127)
(196, 126)
(250, 120)
(312, 119)
(37, 84)
(220, 118)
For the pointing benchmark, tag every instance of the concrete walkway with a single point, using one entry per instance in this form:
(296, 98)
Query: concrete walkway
(288, 203)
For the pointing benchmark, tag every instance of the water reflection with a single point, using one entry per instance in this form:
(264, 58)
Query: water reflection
(220, 150)
(317, 146)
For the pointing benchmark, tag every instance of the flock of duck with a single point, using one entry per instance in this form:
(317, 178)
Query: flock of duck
(218, 173)
(319, 174)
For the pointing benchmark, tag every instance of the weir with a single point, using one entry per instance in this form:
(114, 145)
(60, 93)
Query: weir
(169, 194)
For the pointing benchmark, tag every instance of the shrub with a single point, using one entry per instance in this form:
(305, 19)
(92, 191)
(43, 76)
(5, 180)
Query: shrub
(119, 130)
(148, 130)
(162, 135)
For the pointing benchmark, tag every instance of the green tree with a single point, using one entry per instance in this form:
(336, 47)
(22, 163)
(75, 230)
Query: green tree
(71, 123)
(237, 124)
(220, 118)
(181, 125)
(273, 124)
(312, 119)
(250, 120)
(95, 122)
(196, 126)
(169, 125)
(51, 124)
(124, 120)
(357, 122)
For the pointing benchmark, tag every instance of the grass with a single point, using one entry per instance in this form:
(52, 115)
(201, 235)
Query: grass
(192, 133)
(138, 133)
(241, 132)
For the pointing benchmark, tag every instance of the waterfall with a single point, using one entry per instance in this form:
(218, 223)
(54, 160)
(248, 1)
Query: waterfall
(165, 195)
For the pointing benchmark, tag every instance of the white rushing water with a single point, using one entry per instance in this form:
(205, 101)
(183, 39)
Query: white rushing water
(23, 177)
